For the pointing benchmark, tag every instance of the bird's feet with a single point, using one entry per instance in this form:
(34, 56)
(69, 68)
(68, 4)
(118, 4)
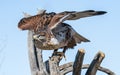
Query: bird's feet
(61, 54)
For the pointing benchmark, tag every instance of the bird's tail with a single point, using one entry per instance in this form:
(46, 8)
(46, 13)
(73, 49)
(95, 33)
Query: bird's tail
(78, 38)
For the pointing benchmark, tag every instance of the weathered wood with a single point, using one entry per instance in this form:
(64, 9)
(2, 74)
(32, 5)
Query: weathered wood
(35, 57)
(102, 69)
(42, 68)
(54, 65)
(64, 66)
(78, 62)
(105, 70)
(32, 56)
(69, 68)
(95, 64)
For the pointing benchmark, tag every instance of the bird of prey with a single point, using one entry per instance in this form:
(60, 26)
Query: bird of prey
(50, 31)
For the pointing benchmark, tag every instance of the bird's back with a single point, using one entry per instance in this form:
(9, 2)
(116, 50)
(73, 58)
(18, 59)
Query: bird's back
(65, 35)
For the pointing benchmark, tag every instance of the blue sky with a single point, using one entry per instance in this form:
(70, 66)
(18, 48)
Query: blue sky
(103, 31)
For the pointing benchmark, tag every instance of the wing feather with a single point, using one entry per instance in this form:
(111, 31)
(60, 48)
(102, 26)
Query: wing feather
(73, 15)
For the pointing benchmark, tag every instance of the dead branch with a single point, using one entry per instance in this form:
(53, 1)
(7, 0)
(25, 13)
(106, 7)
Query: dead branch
(95, 64)
(78, 62)
(35, 57)
(32, 56)
(54, 66)
(69, 68)
(64, 66)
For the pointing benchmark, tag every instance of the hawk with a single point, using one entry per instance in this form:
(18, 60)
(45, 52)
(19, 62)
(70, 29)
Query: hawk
(50, 31)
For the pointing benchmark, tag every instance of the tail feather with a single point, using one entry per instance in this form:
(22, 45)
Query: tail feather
(78, 38)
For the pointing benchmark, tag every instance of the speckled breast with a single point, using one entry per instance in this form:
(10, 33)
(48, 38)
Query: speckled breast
(40, 45)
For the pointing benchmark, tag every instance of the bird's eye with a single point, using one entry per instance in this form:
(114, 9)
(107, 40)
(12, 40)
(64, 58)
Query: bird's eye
(23, 21)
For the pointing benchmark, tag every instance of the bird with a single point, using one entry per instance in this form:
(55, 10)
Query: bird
(50, 31)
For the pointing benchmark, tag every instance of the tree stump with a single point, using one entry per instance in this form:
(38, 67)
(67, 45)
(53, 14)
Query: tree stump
(52, 67)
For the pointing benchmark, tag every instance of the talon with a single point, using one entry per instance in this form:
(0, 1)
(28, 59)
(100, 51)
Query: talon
(64, 57)
(61, 54)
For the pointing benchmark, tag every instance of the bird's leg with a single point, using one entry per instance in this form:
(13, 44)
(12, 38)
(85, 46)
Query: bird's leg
(64, 50)
(55, 52)
(61, 54)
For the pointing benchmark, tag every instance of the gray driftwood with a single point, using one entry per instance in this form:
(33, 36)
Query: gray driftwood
(52, 67)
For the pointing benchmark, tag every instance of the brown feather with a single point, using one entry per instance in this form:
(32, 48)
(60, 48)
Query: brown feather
(55, 34)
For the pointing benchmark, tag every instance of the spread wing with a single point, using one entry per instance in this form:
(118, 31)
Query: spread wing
(73, 15)
(78, 15)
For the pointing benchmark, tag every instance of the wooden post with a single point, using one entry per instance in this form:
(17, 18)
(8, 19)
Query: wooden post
(35, 57)
(78, 62)
(32, 54)
(54, 65)
(95, 64)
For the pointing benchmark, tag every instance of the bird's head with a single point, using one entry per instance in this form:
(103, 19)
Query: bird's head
(29, 23)
(24, 24)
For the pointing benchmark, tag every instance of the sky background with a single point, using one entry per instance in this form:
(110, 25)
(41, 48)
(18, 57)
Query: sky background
(103, 32)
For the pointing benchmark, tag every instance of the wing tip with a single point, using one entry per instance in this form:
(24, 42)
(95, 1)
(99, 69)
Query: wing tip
(87, 40)
(96, 12)
(101, 12)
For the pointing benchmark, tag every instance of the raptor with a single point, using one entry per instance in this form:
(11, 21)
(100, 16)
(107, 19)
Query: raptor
(50, 31)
